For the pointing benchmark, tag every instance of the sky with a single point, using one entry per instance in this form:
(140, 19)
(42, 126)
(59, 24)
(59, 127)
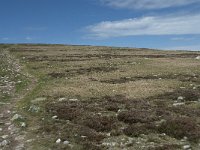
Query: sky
(160, 24)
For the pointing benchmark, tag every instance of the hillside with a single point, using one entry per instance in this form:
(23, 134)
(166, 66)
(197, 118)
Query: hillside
(86, 97)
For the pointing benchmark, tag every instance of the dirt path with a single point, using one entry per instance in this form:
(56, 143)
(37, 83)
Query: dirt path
(12, 136)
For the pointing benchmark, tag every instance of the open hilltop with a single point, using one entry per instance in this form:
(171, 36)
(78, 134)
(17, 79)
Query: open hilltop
(86, 97)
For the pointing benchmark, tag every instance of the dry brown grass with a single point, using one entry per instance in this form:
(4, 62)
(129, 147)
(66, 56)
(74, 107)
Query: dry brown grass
(118, 90)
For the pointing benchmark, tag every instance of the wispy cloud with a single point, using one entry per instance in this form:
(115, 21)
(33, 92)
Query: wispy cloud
(150, 25)
(182, 39)
(35, 28)
(147, 4)
(186, 47)
(28, 38)
(5, 38)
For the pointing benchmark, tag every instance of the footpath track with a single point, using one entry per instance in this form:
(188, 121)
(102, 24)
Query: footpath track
(12, 135)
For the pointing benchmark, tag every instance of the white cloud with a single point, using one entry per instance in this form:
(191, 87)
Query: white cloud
(182, 39)
(35, 28)
(5, 39)
(28, 38)
(150, 25)
(186, 47)
(147, 4)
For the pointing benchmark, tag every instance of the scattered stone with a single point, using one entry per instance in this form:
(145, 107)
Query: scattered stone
(20, 147)
(185, 138)
(198, 58)
(58, 141)
(4, 143)
(108, 134)
(73, 100)
(8, 123)
(23, 124)
(54, 117)
(1, 115)
(4, 136)
(194, 88)
(61, 99)
(180, 98)
(34, 108)
(66, 142)
(182, 87)
(30, 140)
(16, 117)
(178, 104)
(19, 138)
(111, 144)
(37, 100)
(1, 103)
(186, 147)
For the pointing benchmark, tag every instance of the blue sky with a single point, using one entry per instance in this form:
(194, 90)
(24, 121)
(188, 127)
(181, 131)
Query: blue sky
(162, 24)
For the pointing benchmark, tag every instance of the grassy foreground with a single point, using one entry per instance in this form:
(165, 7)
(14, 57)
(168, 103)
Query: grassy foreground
(110, 98)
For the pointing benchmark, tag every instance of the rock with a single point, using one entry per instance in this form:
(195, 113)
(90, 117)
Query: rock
(1, 115)
(178, 104)
(34, 108)
(180, 98)
(198, 58)
(4, 136)
(185, 138)
(61, 99)
(66, 142)
(182, 87)
(1, 129)
(20, 138)
(58, 141)
(54, 117)
(194, 88)
(186, 147)
(37, 100)
(111, 144)
(73, 100)
(108, 134)
(30, 140)
(4, 143)
(16, 117)
(23, 124)
(20, 147)
(8, 123)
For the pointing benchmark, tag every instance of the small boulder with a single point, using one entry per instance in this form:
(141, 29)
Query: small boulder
(198, 58)
(55, 117)
(180, 98)
(16, 117)
(34, 108)
(62, 99)
(4, 136)
(186, 147)
(66, 142)
(4, 143)
(23, 124)
(58, 141)
(39, 99)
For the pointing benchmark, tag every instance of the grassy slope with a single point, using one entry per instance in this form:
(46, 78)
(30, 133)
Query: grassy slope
(110, 97)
